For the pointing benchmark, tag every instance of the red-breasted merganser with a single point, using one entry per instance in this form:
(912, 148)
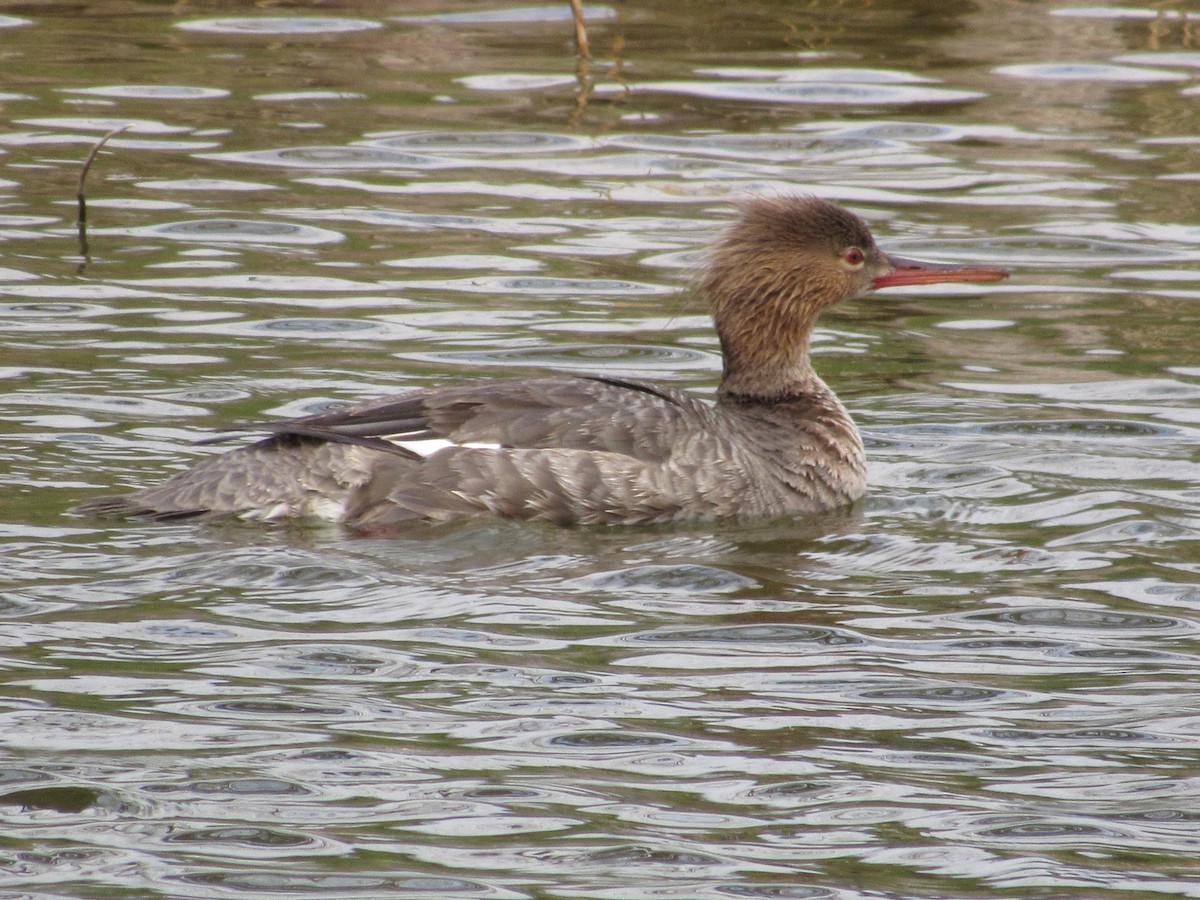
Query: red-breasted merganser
(592, 449)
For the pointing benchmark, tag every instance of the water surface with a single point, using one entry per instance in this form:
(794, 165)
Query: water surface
(980, 682)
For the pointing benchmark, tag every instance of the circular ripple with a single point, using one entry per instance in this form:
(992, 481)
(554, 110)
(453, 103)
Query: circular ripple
(1092, 72)
(822, 93)
(516, 81)
(152, 92)
(654, 579)
(293, 96)
(256, 884)
(751, 634)
(950, 694)
(1039, 251)
(1116, 653)
(315, 326)
(206, 185)
(52, 309)
(1046, 829)
(1006, 643)
(1114, 12)
(902, 131)
(497, 793)
(788, 789)
(678, 259)
(1108, 734)
(484, 142)
(242, 787)
(275, 709)
(246, 835)
(299, 25)
(102, 124)
(330, 157)
(334, 664)
(132, 407)
(1044, 617)
(624, 356)
(1162, 815)
(1081, 428)
(1163, 57)
(545, 284)
(823, 75)
(542, 13)
(240, 231)
(775, 891)
(641, 855)
(605, 740)
(765, 147)
(1086, 736)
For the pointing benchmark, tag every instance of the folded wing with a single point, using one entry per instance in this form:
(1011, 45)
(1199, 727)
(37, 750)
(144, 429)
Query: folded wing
(576, 413)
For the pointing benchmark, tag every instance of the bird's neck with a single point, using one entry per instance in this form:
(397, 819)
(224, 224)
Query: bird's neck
(767, 359)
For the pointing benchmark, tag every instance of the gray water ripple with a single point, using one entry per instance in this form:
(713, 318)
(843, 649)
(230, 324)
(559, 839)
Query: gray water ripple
(686, 579)
(485, 143)
(272, 883)
(779, 147)
(122, 406)
(979, 680)
(1092, 429)
(626, 360)
(236, 840)
(290, 26)
(234, 787)
(745, 638)
(10, 775)
(1086, 621)
(534, 285)
(340, 157)
(424, 221)
(1093, 73)
(151, 92)
(302, 328)
(1047, 832)
(104, 124)
(274, 710)
(56, 731)
(533, 14)
(938, 694)
(51, 309)
(776, 891)
(231, 231)
(1048, 251)
(830, 92)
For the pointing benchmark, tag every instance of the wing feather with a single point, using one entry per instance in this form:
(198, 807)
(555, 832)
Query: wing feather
(579, 413)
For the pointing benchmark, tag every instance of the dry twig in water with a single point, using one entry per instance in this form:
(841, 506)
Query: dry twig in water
(87, 164)
(581, 39)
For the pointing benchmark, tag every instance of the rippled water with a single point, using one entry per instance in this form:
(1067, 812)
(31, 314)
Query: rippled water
(980, 682)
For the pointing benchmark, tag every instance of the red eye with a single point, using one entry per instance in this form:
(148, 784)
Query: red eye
(853, 257)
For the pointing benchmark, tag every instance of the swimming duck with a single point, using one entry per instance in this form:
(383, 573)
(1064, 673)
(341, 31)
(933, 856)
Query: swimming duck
(593, 449)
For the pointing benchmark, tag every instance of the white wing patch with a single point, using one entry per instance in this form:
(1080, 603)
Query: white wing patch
(329, 509)
(426, 447)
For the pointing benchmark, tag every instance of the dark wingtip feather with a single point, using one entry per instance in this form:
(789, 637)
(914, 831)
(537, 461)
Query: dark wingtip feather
(127, 507)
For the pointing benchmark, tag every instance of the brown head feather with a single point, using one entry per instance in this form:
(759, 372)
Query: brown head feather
(770, 276)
